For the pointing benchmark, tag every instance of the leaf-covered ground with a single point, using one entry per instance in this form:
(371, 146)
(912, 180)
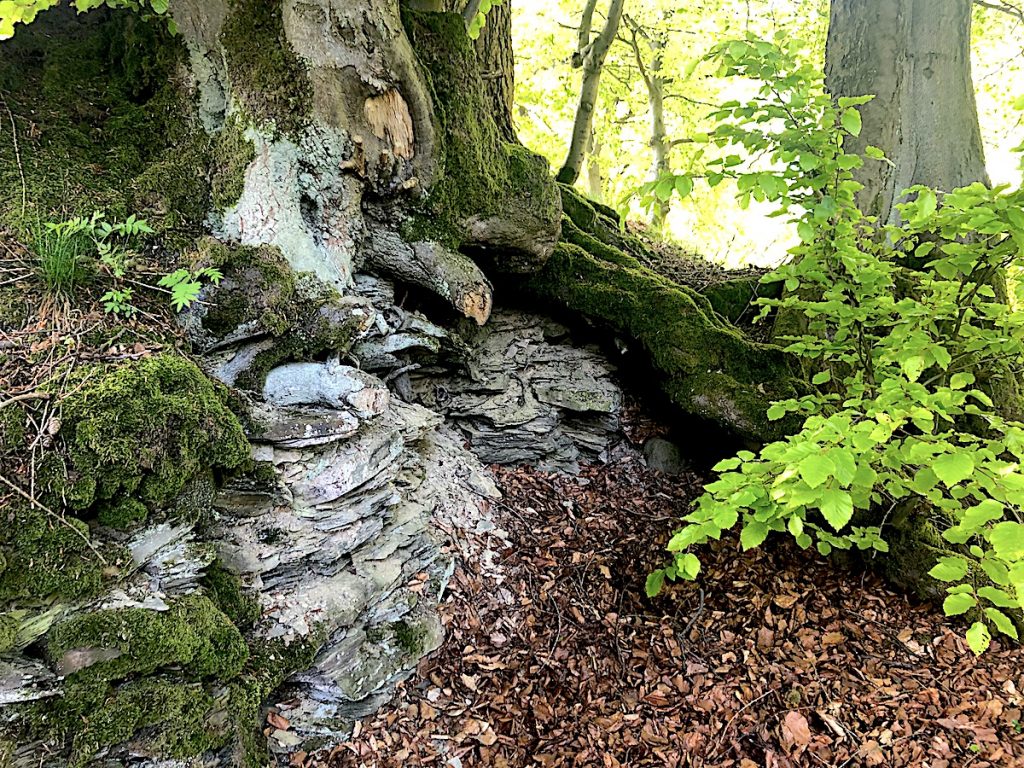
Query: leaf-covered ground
(773, 658)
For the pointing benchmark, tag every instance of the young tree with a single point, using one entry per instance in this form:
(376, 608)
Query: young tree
(590, 56)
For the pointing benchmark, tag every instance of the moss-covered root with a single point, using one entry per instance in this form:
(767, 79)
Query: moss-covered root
(144, 430)
(493, 196)
(707, 367)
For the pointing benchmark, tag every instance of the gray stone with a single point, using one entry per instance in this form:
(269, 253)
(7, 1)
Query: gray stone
(664, 456)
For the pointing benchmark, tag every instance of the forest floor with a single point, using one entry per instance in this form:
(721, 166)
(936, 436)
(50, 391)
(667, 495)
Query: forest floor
(773, 658)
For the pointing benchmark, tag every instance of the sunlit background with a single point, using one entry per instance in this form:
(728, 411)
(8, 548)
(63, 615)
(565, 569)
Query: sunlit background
(710, 222)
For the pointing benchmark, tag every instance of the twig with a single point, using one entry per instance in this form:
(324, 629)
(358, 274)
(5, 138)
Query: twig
(60, 518)
(25, 396)
(1009, 8)
(17, 156)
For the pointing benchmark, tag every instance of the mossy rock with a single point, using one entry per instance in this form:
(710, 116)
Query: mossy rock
(144, 430)
(194, 635)
(260, 294)
(192, 643)
(707, 366)
(44, 556)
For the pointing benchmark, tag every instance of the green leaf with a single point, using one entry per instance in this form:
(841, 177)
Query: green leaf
(1001, 621)
(997, 596)
(949, 569)
(955, 605)
(655, 581)
(837, 507)
(874, 153)
(927, 203)
(806, 231)
(978, 637)
(953, 468)
(1007, 539)
(688, 565)
(822, 378)
(851, 121)
(816, 469)
(961, 380)
(684, 186)
(753, 535)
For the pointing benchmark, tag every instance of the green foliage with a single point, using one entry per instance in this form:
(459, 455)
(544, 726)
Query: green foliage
(61, 248)
(185, 285)
(907, 338)
(60, 257)
(476, 26)
(25, 11)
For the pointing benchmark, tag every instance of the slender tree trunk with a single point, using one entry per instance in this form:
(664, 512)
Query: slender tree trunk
(914, 56)
(595, 179)
(591, 56)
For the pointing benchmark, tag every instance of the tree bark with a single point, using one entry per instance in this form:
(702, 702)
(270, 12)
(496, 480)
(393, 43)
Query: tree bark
(350, 140)
(494, 49)
(591, 55)
(914, 56)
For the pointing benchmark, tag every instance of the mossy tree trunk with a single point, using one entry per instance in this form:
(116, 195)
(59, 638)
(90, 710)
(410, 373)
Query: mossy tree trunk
(329, 137)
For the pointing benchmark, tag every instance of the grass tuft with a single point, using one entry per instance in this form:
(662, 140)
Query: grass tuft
(60, 255)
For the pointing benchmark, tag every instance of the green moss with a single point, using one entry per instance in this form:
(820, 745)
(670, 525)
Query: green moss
(233, 153)
(270, 664)
(46, 557)
(226, 591)
(260, 290)
(481, 174)
(258, 287)
(12, 429)
(125, 514)
(194, 635)
(103, 124)
(146, 429)
(8, 632)
(409, 637)
(267, 78)
(708, 367)
(177, 713)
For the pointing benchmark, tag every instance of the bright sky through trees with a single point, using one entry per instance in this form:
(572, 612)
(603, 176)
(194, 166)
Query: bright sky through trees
(710, 222)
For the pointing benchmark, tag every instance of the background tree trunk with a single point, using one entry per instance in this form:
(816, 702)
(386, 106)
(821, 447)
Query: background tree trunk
(591, 55)
(914, 56)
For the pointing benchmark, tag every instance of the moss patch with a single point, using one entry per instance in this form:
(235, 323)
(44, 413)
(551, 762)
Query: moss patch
(144, 430)
(260, 291)
(709, 368)
(42, 557)
(267, 77)
(104, 123)
(226, 591)
(481, 174)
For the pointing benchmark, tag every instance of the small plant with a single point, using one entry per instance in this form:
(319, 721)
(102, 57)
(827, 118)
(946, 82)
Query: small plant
(904, 337)
(60, 251)
(118, 302)
(185, 285)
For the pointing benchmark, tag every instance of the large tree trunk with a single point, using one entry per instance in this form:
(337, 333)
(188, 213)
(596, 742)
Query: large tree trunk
(914, 57)
(165, 617)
